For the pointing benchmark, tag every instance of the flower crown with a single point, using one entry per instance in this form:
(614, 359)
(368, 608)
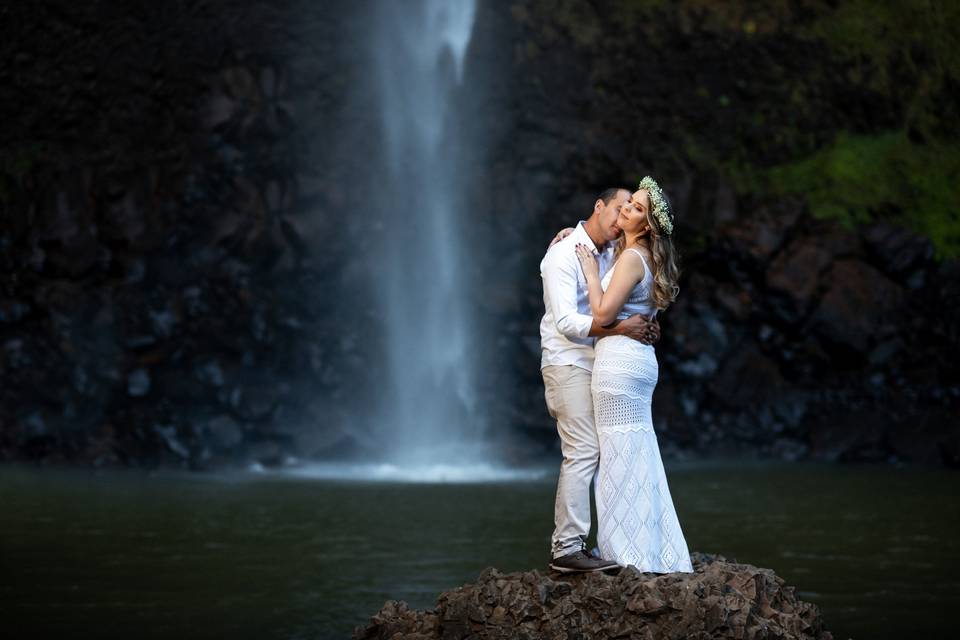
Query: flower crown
(661, 210)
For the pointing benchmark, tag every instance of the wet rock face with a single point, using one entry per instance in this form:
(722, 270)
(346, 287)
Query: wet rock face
(719, 600)
(861, 306)
(156, 303)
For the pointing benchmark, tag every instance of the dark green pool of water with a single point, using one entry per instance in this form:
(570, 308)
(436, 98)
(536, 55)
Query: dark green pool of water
(136, 555)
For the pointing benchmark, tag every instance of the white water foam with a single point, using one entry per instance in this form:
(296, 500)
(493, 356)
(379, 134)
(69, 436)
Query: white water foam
(425, 474)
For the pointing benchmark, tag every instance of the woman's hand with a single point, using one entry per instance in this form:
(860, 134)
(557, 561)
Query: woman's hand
(560, 236)
(588, 262)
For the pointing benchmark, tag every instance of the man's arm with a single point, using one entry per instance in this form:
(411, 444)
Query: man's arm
(560, 283)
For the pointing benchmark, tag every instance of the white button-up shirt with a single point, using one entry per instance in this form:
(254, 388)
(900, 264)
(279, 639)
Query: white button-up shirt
(566, 323)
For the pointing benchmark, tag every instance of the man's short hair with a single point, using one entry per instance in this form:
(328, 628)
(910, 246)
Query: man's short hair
(609, 194)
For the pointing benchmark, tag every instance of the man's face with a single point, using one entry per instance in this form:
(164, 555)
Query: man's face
(609, 214)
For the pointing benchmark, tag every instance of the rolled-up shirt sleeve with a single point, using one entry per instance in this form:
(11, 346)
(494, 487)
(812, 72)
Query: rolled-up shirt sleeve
(560, 283)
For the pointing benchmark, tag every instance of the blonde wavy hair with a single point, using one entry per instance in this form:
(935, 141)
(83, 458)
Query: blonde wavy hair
(666, 268)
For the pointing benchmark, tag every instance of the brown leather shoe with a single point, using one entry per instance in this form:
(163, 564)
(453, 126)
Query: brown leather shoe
(580, 562)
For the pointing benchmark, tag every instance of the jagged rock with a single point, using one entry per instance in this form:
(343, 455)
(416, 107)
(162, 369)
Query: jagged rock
(720, 599)
(224, 432)
(128, 222)
(211, 373)
(169, 436)
(760, 235)
(11, 311)
(698, 329)
(138, 382)
(896, 249)
(856, 435)
(253, 402)
(219, 110)
(860, 303)
(748, 378)
(928, 438)
(794, 276)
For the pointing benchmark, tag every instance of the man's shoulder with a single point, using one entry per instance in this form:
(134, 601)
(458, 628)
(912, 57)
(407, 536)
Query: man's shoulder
(562, 252)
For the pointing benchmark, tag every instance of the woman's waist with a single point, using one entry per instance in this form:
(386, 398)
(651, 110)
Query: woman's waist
(645, 308)
(622, 344)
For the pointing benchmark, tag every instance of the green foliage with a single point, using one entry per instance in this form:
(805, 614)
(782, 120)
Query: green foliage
(859, 178)
(855, 104)
(907, 53)
(905, 49)
(878, 33)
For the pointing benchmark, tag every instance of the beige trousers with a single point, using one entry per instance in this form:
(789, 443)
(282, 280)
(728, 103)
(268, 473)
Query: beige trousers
(567, 392)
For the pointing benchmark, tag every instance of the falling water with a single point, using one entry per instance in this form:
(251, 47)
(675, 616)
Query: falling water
(428, 412)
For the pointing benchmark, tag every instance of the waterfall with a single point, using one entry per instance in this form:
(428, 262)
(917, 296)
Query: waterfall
(427, 413)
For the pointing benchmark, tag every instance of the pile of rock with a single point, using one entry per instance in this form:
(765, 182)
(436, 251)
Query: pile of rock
(720, 599)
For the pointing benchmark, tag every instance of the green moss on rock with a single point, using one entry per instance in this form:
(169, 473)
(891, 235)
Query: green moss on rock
(860, 178)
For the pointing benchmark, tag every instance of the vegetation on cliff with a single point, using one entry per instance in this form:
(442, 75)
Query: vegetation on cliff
(853, 105)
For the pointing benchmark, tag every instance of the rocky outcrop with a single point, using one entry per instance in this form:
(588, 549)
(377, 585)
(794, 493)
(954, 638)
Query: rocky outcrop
(720, 599)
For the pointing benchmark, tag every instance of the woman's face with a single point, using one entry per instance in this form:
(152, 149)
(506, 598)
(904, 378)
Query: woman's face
(633, 213)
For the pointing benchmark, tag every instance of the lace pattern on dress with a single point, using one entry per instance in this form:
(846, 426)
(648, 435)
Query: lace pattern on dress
(624, 376)
(619, 414)
(637, 522)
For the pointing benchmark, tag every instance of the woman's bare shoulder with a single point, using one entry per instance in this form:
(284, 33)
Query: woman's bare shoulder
(632, 262)
(632, 258)
(647, 254)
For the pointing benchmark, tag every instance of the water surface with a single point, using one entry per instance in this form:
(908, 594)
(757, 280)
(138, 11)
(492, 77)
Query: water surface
(133, 554)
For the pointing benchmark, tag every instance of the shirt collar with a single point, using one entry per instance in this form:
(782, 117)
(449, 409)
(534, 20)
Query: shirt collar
(582, 236)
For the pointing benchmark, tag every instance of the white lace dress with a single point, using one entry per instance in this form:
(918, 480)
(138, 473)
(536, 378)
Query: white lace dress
(637, 523)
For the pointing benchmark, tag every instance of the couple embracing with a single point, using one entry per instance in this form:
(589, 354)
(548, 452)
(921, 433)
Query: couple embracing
(603, 284)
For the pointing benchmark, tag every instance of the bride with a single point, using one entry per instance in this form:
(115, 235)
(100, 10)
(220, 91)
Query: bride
(637, 522)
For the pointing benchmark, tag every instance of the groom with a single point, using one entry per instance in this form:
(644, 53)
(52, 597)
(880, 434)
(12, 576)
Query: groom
(567, 334)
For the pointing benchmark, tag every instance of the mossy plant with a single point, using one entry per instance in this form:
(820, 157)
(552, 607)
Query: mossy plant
(908, 52)
(853, 105)
(903, 49)
(863, 177)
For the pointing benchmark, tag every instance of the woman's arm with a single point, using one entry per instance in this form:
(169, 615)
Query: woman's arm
(629, 271)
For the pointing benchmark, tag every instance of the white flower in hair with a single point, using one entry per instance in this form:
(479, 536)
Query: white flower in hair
(660, 208)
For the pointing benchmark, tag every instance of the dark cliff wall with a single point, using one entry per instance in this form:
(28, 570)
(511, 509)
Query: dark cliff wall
(182, 186)
(155, 230)
(811, 153)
